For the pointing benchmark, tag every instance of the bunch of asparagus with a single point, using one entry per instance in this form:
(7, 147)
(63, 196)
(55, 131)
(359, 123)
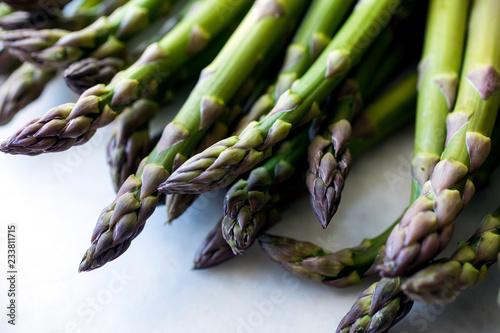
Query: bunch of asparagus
(288, 94)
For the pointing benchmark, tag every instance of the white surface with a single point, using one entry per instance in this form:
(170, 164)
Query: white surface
(56, 199)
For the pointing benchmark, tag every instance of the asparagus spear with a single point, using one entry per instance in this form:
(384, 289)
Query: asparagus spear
(88, 72)
(318, 26)
(129, 142)
(377, 309)
(215, 250)
(427, 226)
(247, 197)
(346, 267)
(442, 281)
(69, 124)
(329, 156)
(56, 48)
(137, 198)
(22, 87)
(219, 165)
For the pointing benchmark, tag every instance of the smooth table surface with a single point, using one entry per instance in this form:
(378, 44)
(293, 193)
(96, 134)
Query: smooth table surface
(55, 201)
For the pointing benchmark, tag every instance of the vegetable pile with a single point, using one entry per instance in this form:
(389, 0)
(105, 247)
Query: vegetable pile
(288, 94)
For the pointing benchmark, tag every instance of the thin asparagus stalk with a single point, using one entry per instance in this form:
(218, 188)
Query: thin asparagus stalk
(377, 309)
(427, 226)
(319, 25)
(56, 48)
(69, 124)
(346, 267)
(218, 82)
(22, 87)
(247, 197)
(442, 281)
(215, 250)
(219, 165)
(129, 142)
(88, 72)
(329, 156)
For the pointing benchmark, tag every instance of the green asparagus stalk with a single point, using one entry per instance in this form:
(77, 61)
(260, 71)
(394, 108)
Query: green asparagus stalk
(377, 309)
(22, 87)
(218, 82)
(329, 156)
(56, 48)
(88, 72)
(319, 25)
(129, 142)
(247, 197)
(346, 267)
(215, 250)
(69, 124)
(442, 281)
(219, 165)
(427, 226)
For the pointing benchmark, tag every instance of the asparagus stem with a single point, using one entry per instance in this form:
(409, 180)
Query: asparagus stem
(247, 197)
(442, 281)
(55, 48)
(214, 169)
(346, 267)
(427, 226)
(137, 198)
(22, 87)
(329, 156)
(69, 124)
(88, 72)
(377, 309)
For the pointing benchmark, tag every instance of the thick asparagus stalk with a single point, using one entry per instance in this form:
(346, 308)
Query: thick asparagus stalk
(247, 197)
(55, 48)
(69, 124)
(427, 226)
(22, 87)
(377, 309)
(137, 198)
(219, 165)
(442, 281)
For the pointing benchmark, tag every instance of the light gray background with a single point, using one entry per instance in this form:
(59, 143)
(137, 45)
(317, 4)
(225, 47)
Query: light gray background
(55, 200)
